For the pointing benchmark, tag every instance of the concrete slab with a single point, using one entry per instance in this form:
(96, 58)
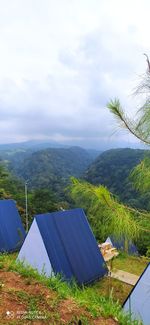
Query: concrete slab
(125, 277)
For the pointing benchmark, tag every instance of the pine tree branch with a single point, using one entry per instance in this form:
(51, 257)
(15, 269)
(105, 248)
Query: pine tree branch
(116, 109)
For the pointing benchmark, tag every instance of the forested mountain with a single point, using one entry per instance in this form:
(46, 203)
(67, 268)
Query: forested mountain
(15, 153)
(48, 172)
(51, 168)
(39, 200)
(112, 169)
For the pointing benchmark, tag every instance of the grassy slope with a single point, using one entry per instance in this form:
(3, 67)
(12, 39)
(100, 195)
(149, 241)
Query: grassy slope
(131, 264)
(23, 289)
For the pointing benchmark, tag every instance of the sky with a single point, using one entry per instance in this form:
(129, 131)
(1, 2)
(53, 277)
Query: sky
(61, 61)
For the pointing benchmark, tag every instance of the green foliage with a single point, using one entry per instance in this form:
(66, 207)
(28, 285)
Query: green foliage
(112, 169)
(148, 252)
(39, 200)
(140, 128)
(140, 176)
(129, 263)
(42, 201)
(115, 108)
(51, 168)
(114, 218)
(143, 242)
(10, 186)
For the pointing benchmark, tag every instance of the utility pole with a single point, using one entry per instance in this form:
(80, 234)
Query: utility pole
(26, 204)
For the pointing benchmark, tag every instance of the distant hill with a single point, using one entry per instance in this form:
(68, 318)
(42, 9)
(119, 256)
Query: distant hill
(52, 167)
(112, 169)
(33, 144)
(94, 153)
(17, 152)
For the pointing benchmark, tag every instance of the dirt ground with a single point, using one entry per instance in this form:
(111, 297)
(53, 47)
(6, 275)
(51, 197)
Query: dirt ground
(24, 301)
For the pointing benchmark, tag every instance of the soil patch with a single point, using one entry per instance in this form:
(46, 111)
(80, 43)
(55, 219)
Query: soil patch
(24, 301)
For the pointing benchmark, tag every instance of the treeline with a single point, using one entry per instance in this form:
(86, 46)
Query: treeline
(39, 200)
(112, 169)
(49, 171)
(51, 168)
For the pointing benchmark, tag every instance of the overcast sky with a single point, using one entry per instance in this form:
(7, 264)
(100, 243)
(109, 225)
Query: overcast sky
(60, 63)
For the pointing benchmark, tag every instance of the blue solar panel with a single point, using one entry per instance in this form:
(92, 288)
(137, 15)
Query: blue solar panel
(12, 232)
(71, 245)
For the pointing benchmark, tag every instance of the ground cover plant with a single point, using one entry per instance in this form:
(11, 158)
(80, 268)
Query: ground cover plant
(44, 300)
(130, 263)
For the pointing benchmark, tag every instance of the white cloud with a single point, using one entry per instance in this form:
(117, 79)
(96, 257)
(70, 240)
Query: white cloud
(61, 61)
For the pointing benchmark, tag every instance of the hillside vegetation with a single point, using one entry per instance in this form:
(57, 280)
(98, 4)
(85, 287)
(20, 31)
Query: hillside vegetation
(25, 292)
(51, 168)
(49, 171)
(112, 169)
(30, 296)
